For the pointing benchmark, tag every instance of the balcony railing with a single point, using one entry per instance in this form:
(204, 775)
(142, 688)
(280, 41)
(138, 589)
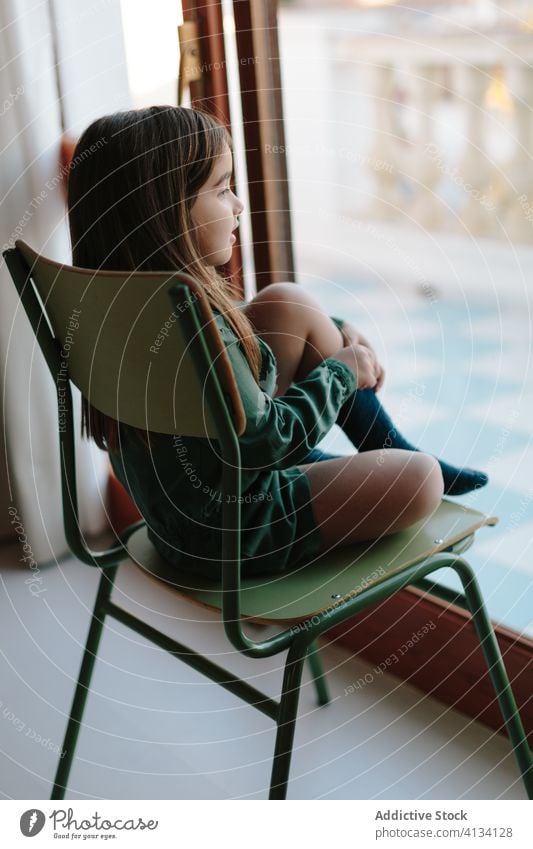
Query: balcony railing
(449, 135)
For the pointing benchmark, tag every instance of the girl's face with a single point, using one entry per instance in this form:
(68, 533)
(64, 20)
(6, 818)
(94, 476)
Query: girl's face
(214, 213)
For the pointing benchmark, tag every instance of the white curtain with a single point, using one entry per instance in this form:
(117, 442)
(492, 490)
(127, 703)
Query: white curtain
(31, 126)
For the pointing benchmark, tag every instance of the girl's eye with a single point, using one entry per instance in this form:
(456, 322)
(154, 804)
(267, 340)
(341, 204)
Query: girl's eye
(224, 192)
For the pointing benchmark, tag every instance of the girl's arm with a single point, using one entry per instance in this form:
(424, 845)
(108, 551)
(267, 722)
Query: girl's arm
(351, 336)
(280, 431)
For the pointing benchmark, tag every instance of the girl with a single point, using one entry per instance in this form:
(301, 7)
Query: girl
(154, 194)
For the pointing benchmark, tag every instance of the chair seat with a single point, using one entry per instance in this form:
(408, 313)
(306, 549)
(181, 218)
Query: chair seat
(329, 579)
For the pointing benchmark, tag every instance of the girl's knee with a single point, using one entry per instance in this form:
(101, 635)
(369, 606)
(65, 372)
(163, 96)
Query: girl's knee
(277, 293)
(285, 308)
(280, 290)
(421, 486)
(274, 306)
(286, 297)
(426, 485)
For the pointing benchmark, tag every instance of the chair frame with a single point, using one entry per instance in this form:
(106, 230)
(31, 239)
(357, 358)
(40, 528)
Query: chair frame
(299, 640)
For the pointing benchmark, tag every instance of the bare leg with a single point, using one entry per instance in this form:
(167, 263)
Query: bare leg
(353, 498)
(299, 332)
(374, 494)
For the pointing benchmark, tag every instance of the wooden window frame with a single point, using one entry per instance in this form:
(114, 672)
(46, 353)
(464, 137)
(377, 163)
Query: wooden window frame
(260, 84)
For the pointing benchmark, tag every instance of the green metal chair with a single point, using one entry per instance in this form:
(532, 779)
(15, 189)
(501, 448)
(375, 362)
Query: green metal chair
(109, 359)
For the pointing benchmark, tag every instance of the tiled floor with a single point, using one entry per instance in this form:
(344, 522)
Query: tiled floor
(156, 729)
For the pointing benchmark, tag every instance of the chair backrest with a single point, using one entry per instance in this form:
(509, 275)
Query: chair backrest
(143, 348)
(132, 355)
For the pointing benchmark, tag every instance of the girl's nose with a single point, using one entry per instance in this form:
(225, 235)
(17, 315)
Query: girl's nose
(239, 206)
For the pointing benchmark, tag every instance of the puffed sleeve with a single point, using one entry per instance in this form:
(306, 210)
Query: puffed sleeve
(281, 431)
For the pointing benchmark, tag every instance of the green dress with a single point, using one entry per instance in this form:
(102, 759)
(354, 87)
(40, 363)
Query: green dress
(177, 485)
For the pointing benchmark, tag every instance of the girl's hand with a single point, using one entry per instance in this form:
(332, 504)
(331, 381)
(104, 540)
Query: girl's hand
(381, 378)
(362, 361)
(351, 336)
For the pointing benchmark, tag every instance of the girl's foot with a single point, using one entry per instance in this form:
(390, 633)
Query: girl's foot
(369, 427)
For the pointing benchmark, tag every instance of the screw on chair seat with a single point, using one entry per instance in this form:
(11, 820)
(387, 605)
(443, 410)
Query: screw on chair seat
(331, 579)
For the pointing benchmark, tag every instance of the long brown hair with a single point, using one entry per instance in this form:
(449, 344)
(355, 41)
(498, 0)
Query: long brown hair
(134, 177)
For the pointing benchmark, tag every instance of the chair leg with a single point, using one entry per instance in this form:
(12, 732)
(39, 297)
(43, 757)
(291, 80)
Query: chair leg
(288, 707)
(82, 688)
(317, 671)
(498, 675)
